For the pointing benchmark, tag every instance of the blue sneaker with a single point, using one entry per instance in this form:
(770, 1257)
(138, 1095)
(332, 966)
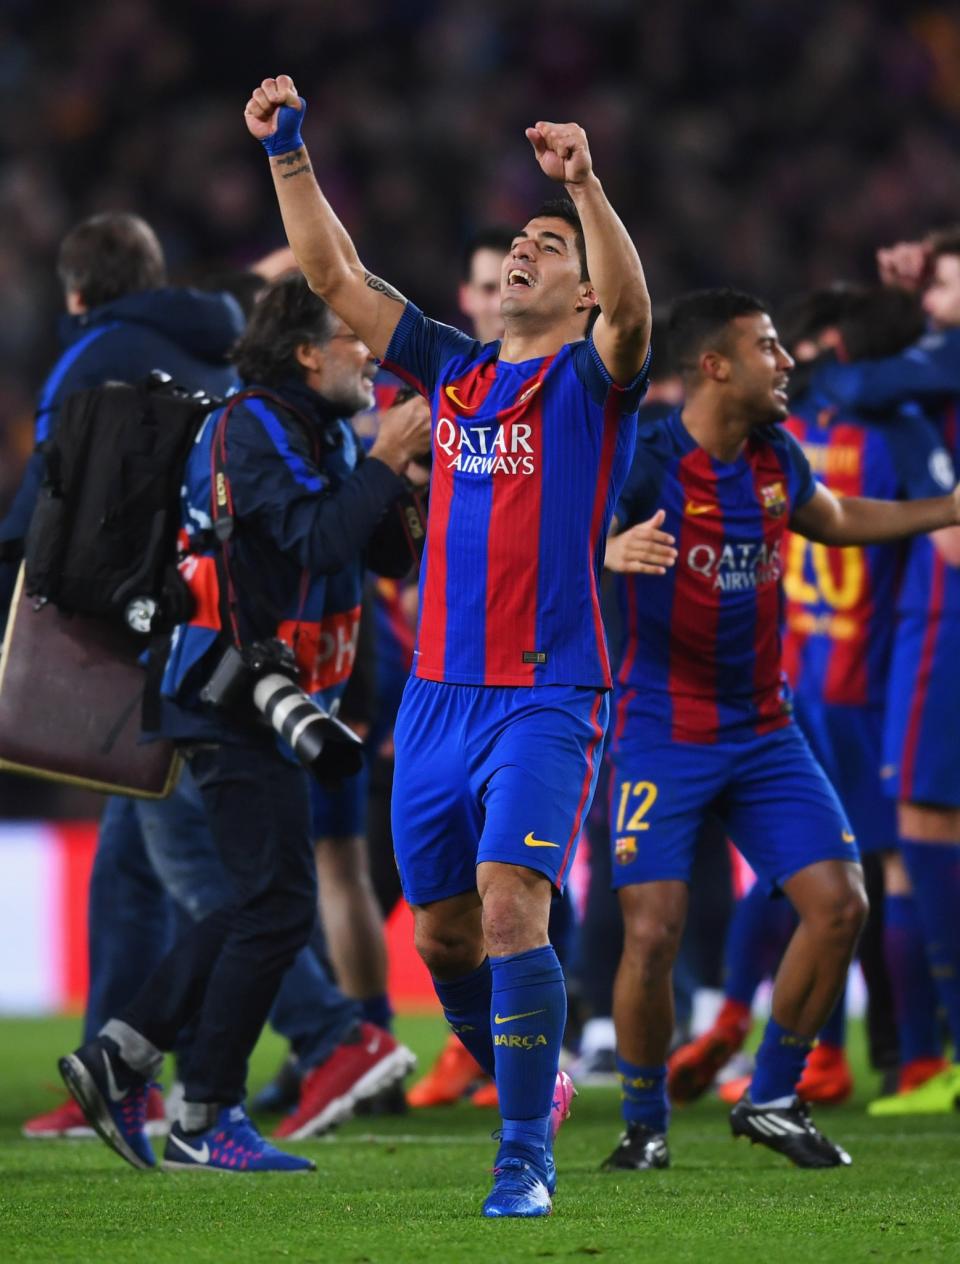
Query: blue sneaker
(519, 1188)
(112, 1097)
(231, 1145)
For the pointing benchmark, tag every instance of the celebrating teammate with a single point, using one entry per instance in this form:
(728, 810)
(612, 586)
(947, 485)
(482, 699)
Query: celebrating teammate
(921, 762)
(704, 716)
(498, 737)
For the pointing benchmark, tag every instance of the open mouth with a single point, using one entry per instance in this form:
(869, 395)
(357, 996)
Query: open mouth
(520, 277)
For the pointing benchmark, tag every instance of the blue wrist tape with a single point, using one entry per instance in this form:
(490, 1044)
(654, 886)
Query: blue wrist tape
(287, 136)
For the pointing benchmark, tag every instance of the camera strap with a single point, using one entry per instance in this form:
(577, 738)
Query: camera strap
(224, 521)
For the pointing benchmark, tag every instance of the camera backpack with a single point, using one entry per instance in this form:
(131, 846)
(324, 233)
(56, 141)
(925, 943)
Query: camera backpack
(102, 540)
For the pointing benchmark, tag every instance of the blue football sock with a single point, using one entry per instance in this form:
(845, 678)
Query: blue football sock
(378, 1010)
(528, 1012)
(643, 1094)
(934, 870)
(834, 1030)
(780, 1060)
(914, 995)
(758, 933)
(466, 1007)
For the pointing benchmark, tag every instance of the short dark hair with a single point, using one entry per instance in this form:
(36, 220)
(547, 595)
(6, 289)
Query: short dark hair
(880, 321)
(700, 319)
(498, 238)
(285, 316)
(945, 241)
(110, 255)
(874, 321)
(806, 316)
(563, 208)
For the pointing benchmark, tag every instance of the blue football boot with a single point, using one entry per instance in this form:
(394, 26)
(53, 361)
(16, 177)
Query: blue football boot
(113, 1097)
(231, 1145)
(519, 1185)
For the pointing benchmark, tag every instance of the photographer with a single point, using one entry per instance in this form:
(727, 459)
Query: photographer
(299, 513)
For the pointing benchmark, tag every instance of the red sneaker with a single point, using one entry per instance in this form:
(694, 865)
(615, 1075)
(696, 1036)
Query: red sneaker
(913, 1074)
(692, 1069)
(827, 1079)
(353, 1072)
(452, 1075)
(69, 1121)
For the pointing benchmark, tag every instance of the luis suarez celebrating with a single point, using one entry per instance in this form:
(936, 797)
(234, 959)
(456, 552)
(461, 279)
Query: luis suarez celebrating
(499, 733)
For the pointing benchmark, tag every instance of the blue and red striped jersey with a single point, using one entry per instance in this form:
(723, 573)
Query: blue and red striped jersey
(528, 461)
(841, 603)
(930, 586)
(702, 650)
(928, 374)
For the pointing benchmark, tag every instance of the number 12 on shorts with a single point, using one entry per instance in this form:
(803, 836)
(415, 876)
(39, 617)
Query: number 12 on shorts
(639, 795)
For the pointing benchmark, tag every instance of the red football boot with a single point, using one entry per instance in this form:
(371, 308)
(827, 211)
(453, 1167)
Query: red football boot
(827, 1079)
(486, 1095)
(453, 1074)
(918, 1071)
(694, 1066)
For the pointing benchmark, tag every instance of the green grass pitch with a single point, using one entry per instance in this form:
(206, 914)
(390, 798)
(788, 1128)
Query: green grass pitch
(410, 1189)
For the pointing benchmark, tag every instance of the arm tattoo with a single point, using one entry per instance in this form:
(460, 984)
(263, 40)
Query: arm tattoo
(297, 171)
(380, 287)
(287, 160)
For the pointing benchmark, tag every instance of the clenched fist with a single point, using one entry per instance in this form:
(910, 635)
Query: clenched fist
(262, 111)
(562, 151)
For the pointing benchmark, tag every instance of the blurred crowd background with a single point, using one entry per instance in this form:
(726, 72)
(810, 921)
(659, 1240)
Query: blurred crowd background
(768, 143)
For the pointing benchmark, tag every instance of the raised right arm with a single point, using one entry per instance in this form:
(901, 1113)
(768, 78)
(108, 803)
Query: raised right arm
(323, 249)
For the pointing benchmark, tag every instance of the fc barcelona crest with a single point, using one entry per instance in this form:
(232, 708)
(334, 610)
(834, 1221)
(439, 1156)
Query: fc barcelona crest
(774, 499)
(625, 849)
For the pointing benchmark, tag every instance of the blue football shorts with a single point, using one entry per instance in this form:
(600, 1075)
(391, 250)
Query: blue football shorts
(847, 742)
(769, 794)
(488, 773)
(921, 753)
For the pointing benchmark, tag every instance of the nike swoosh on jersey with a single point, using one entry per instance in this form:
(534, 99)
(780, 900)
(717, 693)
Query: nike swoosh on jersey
(528, 392)
(452, 393)
(693, 509)
(848, 837)
(200, 1156)
(510, 1018)
(530, 841)
(116, 1094)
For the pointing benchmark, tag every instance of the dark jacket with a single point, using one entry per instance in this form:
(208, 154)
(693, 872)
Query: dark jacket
(310, 514)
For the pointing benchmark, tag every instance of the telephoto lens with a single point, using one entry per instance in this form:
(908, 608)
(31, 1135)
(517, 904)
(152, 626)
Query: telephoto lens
(323, 744)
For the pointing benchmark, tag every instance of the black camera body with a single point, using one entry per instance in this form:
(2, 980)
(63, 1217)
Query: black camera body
(238, 671)
(266, 673)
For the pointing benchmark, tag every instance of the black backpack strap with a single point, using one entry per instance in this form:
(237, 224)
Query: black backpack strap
(224, 521)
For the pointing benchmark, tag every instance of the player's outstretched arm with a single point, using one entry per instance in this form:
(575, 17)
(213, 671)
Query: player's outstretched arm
(322, 246)
(622, 333)
(641, 550)
(829, 519)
